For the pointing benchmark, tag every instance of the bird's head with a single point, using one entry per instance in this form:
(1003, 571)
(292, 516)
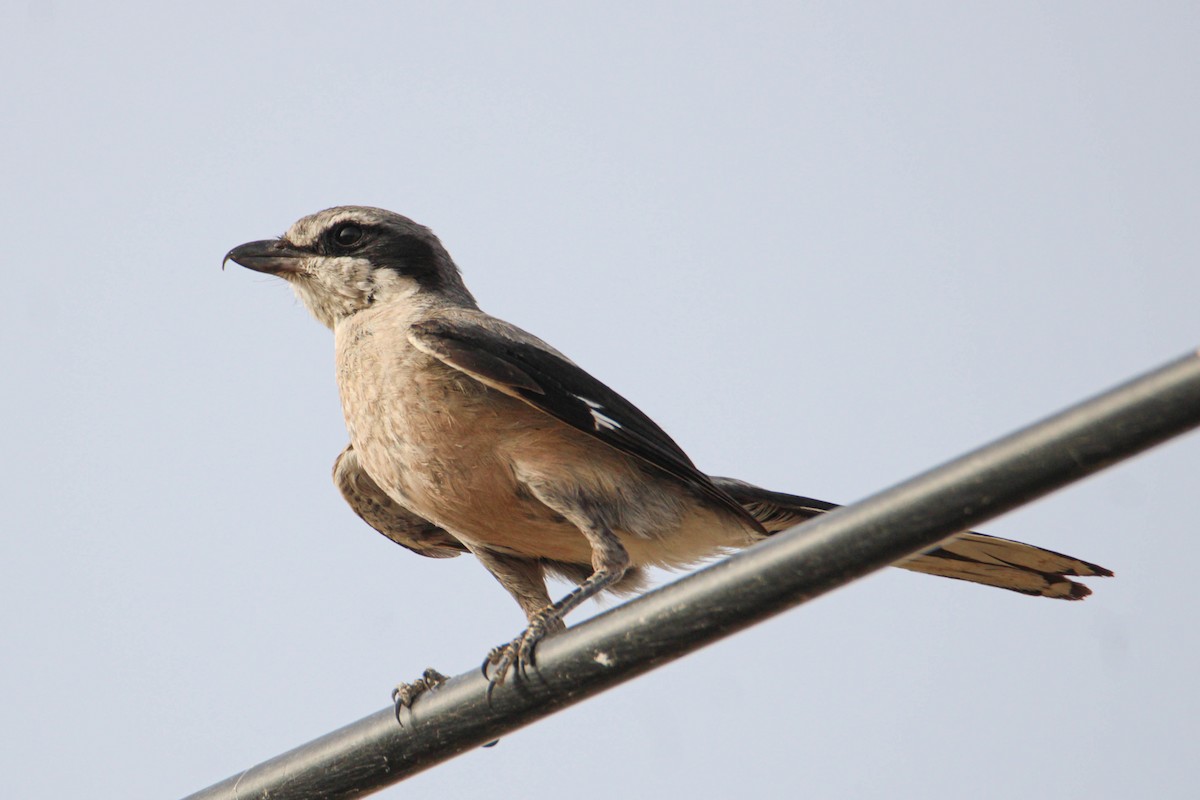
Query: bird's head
(343, 260)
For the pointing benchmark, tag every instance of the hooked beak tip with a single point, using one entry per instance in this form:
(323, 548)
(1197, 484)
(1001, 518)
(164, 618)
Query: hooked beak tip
(273, 256)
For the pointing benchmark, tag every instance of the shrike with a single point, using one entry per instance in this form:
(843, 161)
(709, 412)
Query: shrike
(468, 434)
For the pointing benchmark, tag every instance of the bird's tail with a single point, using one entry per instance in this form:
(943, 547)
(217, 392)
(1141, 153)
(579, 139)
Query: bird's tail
(971, 556)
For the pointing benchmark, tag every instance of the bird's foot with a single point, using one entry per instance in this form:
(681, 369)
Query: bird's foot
(518, 653)
(405, 693)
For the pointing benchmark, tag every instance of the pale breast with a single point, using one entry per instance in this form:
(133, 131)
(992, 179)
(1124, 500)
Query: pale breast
(433, 439)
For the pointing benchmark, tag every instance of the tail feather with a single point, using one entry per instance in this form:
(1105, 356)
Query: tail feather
(1007, 564)
(974, 557)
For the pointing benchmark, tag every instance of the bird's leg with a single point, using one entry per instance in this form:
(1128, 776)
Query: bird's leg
(522, 577)
(405, 693)
(609, 564)
(525, 580)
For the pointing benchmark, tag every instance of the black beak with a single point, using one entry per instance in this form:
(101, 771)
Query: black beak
(273, 256)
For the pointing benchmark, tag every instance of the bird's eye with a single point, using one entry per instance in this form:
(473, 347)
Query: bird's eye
(347, 235)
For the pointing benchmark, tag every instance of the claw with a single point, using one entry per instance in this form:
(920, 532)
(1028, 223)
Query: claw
(433, 678)
(500, 657)
(405, 693)
(518, 653)
(525, 659)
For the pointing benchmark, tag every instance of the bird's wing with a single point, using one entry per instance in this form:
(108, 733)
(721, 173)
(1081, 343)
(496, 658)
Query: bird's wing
(520, 365)
(386, 515)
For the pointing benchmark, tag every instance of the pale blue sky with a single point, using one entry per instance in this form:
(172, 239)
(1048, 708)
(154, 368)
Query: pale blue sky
(824, 245)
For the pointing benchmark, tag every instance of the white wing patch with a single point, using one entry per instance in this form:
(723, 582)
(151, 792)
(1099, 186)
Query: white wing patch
(602, 421)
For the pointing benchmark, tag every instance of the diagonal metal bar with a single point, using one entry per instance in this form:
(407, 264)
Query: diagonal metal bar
(737, 592)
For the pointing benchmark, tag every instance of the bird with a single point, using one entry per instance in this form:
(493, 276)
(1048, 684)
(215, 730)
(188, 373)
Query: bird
(471, 435)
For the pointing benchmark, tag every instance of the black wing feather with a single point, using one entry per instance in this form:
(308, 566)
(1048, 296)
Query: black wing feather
(551, 383)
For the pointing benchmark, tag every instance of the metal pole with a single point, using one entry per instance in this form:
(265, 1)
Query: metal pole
(744, 589)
